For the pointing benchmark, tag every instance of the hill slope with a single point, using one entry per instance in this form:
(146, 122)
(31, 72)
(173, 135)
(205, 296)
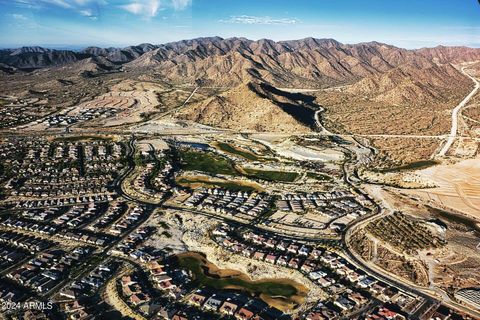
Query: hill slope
(37, 57)
(370, 82)
(257, 107)
(309, 62)
(408, 84)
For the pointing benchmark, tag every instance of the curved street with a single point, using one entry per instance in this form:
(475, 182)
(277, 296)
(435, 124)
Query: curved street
(431, 296)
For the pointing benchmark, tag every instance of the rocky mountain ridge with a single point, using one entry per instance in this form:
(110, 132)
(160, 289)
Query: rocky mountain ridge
(375, 71)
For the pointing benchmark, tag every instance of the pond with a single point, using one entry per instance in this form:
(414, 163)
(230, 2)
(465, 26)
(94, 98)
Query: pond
(282, 294)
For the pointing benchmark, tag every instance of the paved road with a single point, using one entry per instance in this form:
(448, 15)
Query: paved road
(319, 122)
(431, 296)
(352, 255)
(454, 129)
(355, 259)
(190, 96)
(117, 184)
(185, 132)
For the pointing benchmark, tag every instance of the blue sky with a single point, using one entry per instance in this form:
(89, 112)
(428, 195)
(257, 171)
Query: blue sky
(79, 23)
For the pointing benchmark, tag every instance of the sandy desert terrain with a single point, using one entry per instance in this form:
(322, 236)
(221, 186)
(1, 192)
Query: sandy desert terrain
(458, 186)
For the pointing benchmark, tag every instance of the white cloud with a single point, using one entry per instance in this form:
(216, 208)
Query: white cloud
(22, 21)
(244, 19)
(40, 3)
(74, 3)
(17, 16)
(181, 4)
(27, 3)
(61, 3)
(88, 13)
(78, 5)
(135, 8)
(82, 2)
(146, 8)
(150, 8)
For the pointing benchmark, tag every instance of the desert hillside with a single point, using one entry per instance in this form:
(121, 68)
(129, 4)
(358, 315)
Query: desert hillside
(368, 88)
(409, 84)
(257, 107)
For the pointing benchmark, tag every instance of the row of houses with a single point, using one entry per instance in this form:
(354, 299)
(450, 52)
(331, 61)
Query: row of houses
(88, 238)
(171, 281)
(29, 226)
(136, 293)
(78, 215)
(133, 291)
(43, 214)
(11, 294)
(235, 306)
(23, 241)
(45, 271)
(76, 310)
(350, 287)
(333, 204)
(47, 203)
(226, 202)
(20, 112)
(62, 171)
(133, 216)
(154, 187)
(10, 256)
(131, 246)
(90, 283)
(62, 120)
(113, 212)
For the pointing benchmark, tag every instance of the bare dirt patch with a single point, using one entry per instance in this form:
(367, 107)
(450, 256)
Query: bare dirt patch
(458, 187)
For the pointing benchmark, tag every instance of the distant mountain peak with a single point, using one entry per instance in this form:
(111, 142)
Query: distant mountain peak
(308, 62)
(30, 49)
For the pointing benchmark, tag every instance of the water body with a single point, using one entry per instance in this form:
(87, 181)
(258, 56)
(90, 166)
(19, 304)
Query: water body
(282, 294)
(195, 145)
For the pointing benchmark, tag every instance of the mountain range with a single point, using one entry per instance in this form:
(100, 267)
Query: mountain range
(370, 72)
(214, 60)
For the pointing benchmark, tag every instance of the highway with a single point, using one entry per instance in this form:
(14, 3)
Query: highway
(456, 110)
(204, 132)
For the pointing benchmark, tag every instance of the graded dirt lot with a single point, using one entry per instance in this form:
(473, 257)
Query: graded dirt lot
(132, 105)
(458, 186)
